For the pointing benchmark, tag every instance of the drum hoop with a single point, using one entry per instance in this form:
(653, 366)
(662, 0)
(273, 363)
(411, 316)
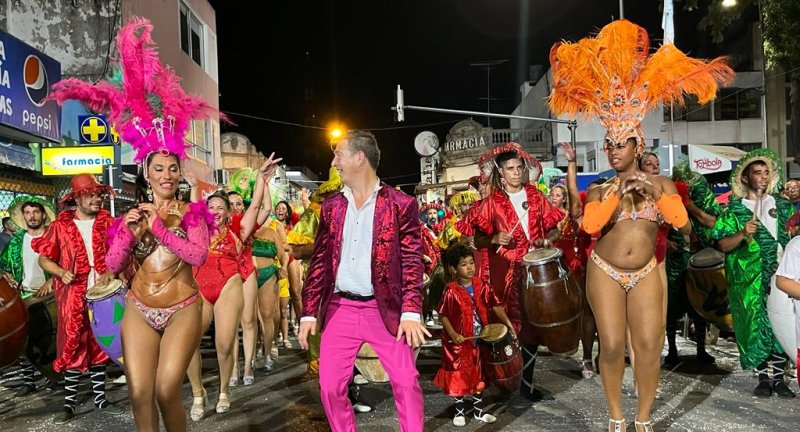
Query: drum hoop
(557, 253)
(556, 324)
(502, 333)
(14, 300)
(108, 294)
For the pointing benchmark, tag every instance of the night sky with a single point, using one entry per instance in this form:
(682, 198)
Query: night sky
(328, 60)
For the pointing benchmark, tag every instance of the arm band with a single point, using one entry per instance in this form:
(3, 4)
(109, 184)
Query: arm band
(597, 213)
(672, 208)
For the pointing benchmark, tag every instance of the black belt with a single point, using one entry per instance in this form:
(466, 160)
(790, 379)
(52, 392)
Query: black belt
(355, 297)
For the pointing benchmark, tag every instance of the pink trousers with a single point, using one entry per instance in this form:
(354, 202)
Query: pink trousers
(349, 323)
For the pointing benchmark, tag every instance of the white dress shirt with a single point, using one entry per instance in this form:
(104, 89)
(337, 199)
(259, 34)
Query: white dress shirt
(354, 274)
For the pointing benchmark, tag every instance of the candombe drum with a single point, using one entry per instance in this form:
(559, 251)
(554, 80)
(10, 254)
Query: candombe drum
(106, 308)
(501, 359)
(369, 365)
(707, 287)
(552, 301)
(13, 324)
(42, 328)
(780, 309)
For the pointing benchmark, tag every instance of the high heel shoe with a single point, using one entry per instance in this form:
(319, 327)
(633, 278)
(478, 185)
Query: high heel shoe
(199, 406)
(616, 425)
(224, 403)
(587, 372)
(646, 426)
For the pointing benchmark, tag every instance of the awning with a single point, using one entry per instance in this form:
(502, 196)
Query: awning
(708, 159)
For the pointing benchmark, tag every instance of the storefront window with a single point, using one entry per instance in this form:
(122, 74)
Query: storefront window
(749, 103)
(725, 108)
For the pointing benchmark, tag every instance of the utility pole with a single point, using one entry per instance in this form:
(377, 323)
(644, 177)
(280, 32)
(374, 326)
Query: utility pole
(488, 65)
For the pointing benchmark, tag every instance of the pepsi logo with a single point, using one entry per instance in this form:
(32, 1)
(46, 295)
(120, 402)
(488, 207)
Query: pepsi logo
(36, 83)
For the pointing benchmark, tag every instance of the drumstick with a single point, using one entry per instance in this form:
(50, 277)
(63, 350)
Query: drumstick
(756, 211)
(525, 206)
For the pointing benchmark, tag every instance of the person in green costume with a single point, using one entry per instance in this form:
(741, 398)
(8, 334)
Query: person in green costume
(703, 211)
(20, 264)
(752, 233)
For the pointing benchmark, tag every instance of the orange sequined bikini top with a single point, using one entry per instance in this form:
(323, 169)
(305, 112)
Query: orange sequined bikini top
(649, 210)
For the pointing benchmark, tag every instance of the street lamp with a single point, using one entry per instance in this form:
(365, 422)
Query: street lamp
(728, 3)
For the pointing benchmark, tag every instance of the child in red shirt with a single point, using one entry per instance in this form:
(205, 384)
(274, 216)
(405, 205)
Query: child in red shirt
(463, 311)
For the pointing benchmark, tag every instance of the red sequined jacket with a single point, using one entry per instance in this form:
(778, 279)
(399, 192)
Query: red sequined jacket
(396, 256)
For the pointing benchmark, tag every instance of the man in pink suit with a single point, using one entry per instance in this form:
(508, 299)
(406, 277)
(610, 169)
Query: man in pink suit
(364, 284)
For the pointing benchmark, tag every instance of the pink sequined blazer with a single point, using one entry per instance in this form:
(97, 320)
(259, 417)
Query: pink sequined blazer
(396, 256)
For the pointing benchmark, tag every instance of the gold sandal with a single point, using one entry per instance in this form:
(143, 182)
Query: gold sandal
(617, 425)
(198, 406)
(224, 403)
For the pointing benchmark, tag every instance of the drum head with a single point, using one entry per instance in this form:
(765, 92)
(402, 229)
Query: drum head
(494, 332)
(707, 258)
(541, 256)
(103, 290)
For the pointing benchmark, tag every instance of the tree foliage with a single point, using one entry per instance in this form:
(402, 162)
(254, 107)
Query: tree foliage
(780, 20)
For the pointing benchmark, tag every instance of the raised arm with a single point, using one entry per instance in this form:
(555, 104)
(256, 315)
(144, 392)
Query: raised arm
(254, 213)
(575, 205)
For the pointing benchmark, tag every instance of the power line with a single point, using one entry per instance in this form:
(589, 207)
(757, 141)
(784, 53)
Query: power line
(306, 126)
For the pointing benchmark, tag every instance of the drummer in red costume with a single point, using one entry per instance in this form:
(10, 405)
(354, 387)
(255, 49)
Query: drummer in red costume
(463, 311)
(73, 250)
(512, 220)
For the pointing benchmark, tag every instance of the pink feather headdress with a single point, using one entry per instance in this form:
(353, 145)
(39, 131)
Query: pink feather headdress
(142, 98)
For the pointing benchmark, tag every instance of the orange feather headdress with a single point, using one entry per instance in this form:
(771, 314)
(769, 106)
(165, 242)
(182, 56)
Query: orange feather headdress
(613, 77)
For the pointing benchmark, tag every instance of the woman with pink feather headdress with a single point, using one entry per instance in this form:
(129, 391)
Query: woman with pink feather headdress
(158, 241)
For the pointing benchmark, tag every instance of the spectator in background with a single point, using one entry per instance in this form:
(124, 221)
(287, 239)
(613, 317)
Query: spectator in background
(792, 193)
(7, 233)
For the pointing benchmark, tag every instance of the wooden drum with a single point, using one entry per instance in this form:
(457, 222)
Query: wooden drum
(502, 363)
(369, 365)
(707, 287)
(13, 324)
(552, 301)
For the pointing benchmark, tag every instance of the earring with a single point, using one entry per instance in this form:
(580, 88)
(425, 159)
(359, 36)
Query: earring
(149, 193)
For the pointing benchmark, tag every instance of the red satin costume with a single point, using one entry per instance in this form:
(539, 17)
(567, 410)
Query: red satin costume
(466, 226)
(430, 250)
(460, 373)
(506, 271)
(62, 243)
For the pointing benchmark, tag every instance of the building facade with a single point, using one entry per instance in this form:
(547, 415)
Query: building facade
(79, 37)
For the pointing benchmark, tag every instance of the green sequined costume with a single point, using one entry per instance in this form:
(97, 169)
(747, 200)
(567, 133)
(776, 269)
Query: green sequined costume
(748, 270)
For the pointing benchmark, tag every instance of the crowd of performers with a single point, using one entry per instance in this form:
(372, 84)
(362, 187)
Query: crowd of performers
(364, 264)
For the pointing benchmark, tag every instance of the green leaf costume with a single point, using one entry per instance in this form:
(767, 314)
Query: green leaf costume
(750, 266)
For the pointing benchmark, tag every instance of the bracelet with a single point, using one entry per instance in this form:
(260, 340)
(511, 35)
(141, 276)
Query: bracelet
(570, 160)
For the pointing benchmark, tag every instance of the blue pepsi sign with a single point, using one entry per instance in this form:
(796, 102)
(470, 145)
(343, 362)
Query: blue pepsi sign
(25, 79)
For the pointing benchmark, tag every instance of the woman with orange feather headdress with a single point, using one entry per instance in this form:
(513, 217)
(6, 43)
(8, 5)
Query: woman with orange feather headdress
(613, 77)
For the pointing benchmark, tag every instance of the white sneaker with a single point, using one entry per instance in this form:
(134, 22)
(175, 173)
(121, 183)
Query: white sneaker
(459, 421)
(486, 418)
(120, 380)
(273, 352)
(361, 408)
(359, 380)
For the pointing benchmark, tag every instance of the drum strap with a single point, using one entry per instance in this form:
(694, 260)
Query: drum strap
(529, 355)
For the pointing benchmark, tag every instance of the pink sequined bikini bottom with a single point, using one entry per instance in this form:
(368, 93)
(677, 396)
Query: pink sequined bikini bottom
(625, 279)
(158, 318)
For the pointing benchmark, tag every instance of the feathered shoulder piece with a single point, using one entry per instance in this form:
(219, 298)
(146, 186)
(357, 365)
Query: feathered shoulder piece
(613, 77)
(142, 98)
